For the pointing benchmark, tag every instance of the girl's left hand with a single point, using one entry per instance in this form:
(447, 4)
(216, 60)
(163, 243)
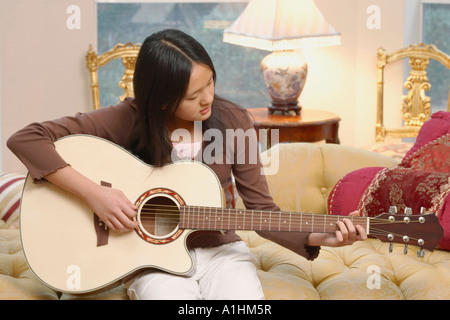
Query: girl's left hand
(346, 234)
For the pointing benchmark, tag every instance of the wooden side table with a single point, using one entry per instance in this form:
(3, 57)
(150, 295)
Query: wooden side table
(309, 126)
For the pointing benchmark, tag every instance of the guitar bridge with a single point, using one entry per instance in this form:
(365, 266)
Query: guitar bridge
(101, 229)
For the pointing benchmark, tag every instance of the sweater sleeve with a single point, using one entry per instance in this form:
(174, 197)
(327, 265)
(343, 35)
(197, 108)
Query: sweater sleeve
(252, 187)
(34, 144)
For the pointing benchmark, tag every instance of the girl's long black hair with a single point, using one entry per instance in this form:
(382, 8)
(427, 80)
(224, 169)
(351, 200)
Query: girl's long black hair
(161, 79)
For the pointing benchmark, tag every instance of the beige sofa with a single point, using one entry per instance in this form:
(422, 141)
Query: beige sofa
(305, 177)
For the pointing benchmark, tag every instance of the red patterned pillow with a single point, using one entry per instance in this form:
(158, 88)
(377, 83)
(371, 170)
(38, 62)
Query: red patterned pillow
(346, 194)
(402, 187)
(431, 151)
(374, 190)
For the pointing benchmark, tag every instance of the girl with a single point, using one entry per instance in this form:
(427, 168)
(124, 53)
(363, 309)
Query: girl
(174, 89)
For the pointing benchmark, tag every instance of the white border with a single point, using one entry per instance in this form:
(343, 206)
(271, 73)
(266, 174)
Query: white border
(166, 1)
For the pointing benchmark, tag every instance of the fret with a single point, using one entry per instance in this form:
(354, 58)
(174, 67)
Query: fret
(251, 227)
(270, 220)
(260, 220)
(286, 222)
(209, 220)
(183, 209)
(301, 221)
(188, 218)
(239, 218)
(205, 217)
(187, 225)
(279, 222)
(306, 223)
(220, 217)
(198, 219)
(203, 220)
(290, 221)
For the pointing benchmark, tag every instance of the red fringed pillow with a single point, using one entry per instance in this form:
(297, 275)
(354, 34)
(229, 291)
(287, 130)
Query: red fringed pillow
(402, 187)
(431, 152)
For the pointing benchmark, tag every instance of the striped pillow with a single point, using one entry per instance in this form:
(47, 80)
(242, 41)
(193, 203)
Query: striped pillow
(11, 185)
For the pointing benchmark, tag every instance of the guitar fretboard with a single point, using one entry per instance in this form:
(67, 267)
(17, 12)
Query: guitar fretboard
(211, 218)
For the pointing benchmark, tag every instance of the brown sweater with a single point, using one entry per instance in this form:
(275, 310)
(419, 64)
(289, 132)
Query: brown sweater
(34, 146)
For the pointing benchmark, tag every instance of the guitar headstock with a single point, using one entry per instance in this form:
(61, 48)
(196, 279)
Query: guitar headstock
(423, 230)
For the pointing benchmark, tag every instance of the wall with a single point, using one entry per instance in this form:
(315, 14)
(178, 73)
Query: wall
(342, 79)
(43, 74)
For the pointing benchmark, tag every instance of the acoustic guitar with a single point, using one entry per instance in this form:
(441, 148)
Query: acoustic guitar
(70, 249)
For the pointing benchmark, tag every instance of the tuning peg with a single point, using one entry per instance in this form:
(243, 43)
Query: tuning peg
(393, 210)
(390, 237)
(408, 211)
(420, 252)
(405, 239)
(423, 210)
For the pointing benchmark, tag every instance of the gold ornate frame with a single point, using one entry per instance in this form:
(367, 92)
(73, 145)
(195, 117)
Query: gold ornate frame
(128, 53)
(416, 105)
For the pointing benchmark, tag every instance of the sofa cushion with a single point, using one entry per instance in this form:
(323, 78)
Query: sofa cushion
(306, 173)
(367, 270)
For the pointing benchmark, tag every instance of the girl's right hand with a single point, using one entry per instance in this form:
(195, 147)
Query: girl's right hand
(110, 205)
(113, 208)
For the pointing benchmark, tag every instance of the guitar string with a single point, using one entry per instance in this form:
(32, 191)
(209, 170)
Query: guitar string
(273, 216)
(374, 231)
(317, 222)
(176, 210)
(320, 219)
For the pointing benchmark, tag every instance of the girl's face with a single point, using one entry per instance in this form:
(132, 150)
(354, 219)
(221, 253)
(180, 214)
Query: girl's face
(196, 105)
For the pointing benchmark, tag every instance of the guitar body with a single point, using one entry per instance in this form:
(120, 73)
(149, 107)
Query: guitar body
(70, 250)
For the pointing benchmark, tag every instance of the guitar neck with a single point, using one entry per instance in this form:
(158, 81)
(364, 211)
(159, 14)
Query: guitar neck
(211, 218)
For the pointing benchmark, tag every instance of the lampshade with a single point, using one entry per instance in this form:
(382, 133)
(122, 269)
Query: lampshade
(276, 25)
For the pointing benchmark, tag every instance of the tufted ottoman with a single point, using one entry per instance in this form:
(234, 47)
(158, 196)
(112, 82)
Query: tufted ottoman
(17, 281)
(365, 270)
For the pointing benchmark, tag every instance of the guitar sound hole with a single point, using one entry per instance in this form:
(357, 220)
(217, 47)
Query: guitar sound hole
(159, 216)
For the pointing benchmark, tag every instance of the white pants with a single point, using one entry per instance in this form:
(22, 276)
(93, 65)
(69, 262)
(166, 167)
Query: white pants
(226, 272)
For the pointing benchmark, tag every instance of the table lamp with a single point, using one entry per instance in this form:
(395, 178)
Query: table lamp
(282, 26)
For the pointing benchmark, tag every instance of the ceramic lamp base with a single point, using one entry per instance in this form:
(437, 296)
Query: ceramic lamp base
(285, 75)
